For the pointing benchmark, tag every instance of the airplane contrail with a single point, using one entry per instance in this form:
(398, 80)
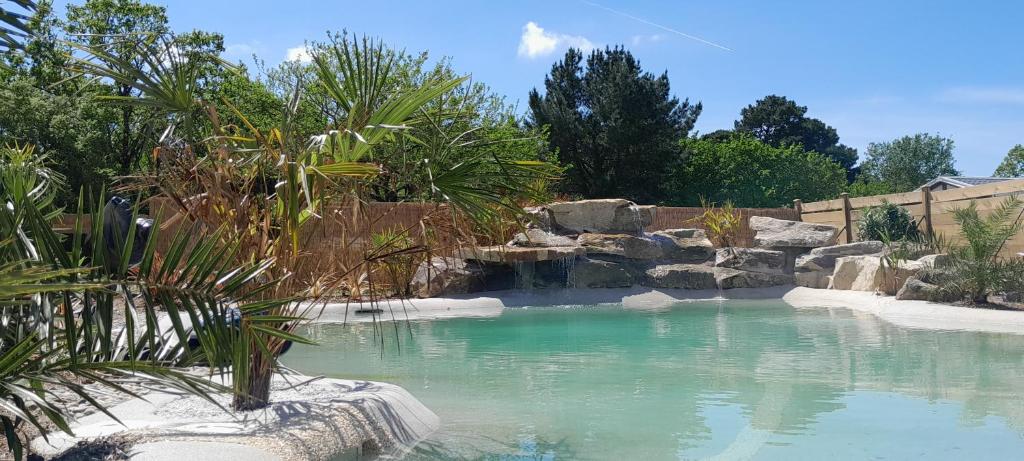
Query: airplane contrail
(666, 28)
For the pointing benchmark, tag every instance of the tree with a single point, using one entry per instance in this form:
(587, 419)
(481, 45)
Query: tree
(909, 162)
(750, 173)
(615, 128)
(1013, 163)
(779, 121)
(42, 103)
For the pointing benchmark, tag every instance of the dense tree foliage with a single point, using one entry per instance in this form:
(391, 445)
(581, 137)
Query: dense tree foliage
(42, 102)
(615, 127)
(909, 162)
(751, 173)
(1013, 164)
(779, 121)
(91, 142)
(863, 187)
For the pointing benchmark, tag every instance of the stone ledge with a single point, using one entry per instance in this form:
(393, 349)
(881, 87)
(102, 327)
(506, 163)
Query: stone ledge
(319, 420)
(911, 314)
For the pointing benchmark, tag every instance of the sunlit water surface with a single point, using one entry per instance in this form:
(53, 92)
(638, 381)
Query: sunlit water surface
(720, 380)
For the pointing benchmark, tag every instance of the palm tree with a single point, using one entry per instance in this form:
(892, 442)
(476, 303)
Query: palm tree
(60, 299)
(264, 187)
(14, 24)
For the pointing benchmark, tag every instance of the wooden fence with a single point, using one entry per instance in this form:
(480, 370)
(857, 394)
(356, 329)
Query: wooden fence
(933, 210)
(342, 228)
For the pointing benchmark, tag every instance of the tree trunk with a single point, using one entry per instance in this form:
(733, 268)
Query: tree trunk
(255, 392)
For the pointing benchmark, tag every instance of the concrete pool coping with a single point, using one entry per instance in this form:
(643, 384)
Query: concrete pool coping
(907, 314)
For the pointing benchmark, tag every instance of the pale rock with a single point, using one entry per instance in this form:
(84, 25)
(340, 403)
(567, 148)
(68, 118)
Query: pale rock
(540, 238)
(867, 273)
(751, 259)
(606, 216)
(622, 245)
(813, 270)
(688, 276)
(684, 245)
(813, 279)
(727, 278)
(781, 233)
(592, 273)
(824, 258)
(916, 289)
(448, 276)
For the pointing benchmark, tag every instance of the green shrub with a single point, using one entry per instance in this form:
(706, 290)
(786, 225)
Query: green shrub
(750, 173)
(887, 222)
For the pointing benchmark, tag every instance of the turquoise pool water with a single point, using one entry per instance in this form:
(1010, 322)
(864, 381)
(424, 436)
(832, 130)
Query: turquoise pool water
(718, 380)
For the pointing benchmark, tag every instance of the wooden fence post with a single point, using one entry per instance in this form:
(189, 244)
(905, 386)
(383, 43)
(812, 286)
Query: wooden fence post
(926, 203)
(847, 217)
(799, 207)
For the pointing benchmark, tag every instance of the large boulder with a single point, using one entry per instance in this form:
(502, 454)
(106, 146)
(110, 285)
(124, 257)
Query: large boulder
(858, 273)
(621, 245)
(689, 276)
(751, 259)
(727, 278)
(916, 289)
(813, 279)
(604, 216)
(449, 276)
(780, 233)
(814, 270)
(824, 258)
(867, 273)
(684, 245)
(592, 273)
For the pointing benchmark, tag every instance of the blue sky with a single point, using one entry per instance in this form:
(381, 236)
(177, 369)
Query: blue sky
(873, 69)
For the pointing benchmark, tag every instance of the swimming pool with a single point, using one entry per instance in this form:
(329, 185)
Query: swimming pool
(738, 379)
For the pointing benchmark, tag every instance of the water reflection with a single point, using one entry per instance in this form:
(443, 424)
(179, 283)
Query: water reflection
(739, 380)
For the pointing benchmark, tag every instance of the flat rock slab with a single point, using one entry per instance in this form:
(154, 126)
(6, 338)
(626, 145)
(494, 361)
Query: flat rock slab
(751, 259)
(539, 238)
(688, 276)
(824, 258)
(318, 420)
(622, 245)
(728, 278)
(684, 245)
(781, 233)
(507, 254)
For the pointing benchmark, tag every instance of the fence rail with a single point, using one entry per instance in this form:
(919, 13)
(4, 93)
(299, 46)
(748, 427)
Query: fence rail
(932, 209)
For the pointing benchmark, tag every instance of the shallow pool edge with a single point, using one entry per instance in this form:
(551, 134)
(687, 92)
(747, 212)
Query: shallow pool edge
(907, 314)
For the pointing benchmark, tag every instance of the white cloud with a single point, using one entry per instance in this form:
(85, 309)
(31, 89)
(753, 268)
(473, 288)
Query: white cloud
(983, 95)
(536, 42)
(299, 53)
